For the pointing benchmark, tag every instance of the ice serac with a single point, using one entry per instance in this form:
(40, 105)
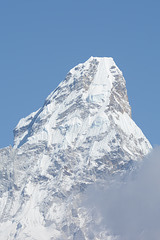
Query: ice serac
(83, 133)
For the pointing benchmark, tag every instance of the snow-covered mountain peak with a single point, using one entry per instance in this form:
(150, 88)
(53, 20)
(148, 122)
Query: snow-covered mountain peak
(81, 135)
(89, 89)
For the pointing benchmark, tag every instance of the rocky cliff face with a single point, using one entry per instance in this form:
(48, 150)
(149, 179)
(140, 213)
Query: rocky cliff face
(82, 134)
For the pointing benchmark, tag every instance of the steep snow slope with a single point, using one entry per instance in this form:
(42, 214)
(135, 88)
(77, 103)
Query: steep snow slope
(82, 134)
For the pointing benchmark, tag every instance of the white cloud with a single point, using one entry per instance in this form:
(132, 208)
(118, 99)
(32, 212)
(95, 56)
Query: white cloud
(132, 210)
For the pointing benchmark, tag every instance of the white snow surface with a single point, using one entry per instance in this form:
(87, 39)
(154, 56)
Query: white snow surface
(82, 134)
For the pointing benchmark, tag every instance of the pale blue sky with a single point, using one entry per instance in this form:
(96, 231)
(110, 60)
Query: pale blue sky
(40, 40)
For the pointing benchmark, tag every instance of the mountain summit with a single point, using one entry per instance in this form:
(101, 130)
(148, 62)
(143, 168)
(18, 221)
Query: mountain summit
(82, 134)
